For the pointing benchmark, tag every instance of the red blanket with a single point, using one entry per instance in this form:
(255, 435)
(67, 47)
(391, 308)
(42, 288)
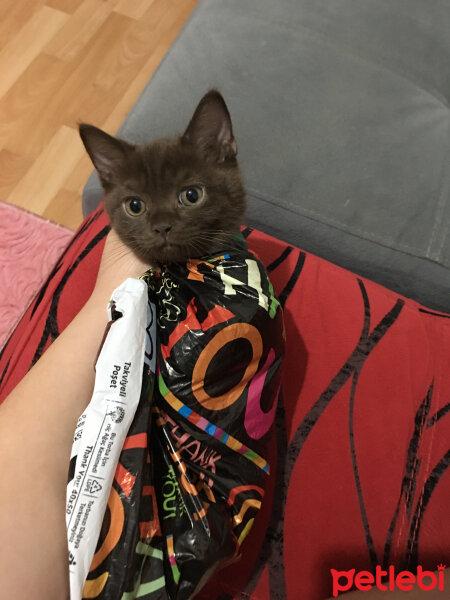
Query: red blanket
(362, 431)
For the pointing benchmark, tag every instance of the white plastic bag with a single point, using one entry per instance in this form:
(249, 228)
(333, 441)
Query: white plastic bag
(103, 426)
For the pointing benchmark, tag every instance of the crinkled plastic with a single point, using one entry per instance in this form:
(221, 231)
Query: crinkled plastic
(191, 474)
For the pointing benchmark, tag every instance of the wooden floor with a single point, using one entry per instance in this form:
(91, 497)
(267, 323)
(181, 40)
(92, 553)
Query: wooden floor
(65, 61)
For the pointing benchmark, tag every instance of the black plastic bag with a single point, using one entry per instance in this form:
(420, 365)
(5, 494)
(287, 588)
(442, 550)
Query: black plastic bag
(191, 487)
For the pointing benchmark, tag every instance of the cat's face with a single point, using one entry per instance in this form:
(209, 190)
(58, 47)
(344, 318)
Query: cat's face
(173, 199)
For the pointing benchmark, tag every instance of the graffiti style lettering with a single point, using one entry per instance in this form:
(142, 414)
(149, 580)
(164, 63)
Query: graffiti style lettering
(254, 281)
(112, 537)
(257, 422)
(223, 337)
(173, 504)
(216, 315)
(125, 479)
(148, 553)
(206, 458)
(194, 273)
(192, 449)
(149, 529)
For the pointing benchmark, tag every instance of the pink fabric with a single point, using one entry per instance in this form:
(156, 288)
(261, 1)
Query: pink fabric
(29, 248)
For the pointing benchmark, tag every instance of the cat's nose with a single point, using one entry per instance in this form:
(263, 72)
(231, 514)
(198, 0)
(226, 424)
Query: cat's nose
(162, 229)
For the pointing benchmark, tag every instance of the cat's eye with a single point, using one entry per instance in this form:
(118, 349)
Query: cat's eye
(190, 195)
(134, 206)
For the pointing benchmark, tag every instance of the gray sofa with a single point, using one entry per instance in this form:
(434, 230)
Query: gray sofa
(341, 114)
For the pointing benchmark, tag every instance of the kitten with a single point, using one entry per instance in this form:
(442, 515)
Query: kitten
(173, 199)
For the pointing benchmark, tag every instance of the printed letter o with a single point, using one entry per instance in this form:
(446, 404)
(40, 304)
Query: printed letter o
(223, 337)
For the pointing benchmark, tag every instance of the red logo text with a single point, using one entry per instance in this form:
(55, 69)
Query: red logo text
(387, 580)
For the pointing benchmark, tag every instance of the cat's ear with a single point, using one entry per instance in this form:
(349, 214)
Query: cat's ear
(106, 152)
(210, 129)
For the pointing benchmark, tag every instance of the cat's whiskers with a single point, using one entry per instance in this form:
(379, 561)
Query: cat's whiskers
(212, 235)
(200, 243)
(153, 172)
(210, 238)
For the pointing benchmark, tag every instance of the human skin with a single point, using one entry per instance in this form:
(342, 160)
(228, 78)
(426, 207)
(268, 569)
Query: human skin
(37, 422)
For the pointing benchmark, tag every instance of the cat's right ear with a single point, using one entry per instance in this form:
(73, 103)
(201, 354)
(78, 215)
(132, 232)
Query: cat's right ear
(106, 152)
(210, 129)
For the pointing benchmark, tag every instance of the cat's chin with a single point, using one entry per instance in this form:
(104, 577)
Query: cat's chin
(166, 254)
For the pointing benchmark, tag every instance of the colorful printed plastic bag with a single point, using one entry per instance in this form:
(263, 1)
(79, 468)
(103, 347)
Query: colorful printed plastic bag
(191, 475)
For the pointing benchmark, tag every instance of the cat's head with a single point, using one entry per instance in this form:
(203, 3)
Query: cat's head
(177, 198)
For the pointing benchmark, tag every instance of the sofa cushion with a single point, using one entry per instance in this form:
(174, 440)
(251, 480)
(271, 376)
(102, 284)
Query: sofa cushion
(360, 460)
(341, 113)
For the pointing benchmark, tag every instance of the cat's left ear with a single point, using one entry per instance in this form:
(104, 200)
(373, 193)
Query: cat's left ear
(210, 129)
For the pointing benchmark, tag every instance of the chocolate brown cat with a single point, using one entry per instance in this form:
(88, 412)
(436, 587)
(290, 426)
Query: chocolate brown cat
(176, 198)
(209, 401)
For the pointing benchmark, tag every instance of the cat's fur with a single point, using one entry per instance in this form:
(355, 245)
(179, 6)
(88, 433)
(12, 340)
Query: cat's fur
(204, 156)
